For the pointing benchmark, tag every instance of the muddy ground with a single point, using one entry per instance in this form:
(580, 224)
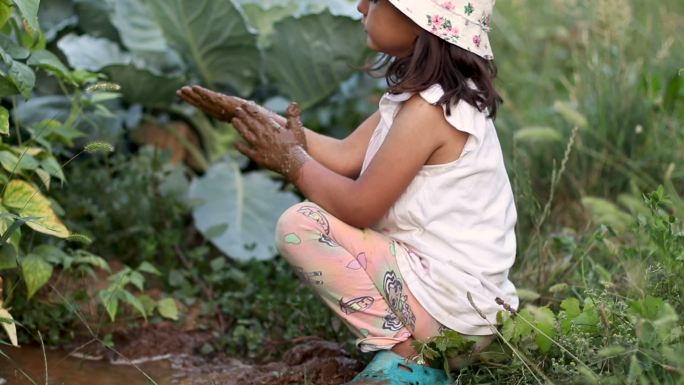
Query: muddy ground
(309, 361)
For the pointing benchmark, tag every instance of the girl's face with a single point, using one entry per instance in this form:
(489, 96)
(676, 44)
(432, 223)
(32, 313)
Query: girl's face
(389, 31)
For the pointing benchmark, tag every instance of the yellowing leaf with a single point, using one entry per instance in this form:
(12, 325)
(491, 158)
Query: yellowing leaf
(8, 324)
(27, 201)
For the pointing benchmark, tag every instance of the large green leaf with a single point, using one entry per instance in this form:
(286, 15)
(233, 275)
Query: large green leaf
(137, 26)
(45, 108)
(28, 201)
(7, 87)
(262, 15)
(141, 34)
(246, 207)
(29, 11)
(263, 18)
(214, 38)
(305, 7)
(143, 86)
(14, 49)
(18, 74)
(92, 124)
(23, 78)
(312, 55)
(91, 53)
(36, 273)
(55, 15)
(5, 12)
(13, 163)
(93, 18)
(8, 255)
(50, 63)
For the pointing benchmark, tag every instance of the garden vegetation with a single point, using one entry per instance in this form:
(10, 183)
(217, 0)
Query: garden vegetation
(121, 206)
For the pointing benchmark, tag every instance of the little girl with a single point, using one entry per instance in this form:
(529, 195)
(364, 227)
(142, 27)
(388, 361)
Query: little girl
(411, 217)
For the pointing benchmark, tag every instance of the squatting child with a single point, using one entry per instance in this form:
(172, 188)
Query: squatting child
(412, 213)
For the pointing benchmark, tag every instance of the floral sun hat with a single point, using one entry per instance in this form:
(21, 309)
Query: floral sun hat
(464, 23)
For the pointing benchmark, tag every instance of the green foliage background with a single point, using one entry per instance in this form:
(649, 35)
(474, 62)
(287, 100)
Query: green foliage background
(591, 129)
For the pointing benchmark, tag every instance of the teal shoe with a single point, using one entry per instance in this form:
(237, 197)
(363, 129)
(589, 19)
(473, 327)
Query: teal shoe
(389, 368)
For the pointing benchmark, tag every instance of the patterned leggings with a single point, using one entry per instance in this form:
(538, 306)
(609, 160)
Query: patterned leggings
(355, 272)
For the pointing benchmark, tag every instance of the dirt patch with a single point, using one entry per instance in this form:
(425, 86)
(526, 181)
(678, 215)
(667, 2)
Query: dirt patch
(312, 361)
(309, 361)
(142, 345)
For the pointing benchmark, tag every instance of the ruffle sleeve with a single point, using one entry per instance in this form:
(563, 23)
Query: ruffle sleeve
(464, 117)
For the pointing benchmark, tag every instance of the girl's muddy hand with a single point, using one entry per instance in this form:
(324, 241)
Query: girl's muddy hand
(294, 123)
(223, 107)
(213, 103)
(218, 105)
(271, 145)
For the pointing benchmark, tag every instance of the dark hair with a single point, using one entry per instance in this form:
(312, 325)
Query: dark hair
(434, 61)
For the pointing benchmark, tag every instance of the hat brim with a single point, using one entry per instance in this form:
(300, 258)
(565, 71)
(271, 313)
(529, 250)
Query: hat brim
(448, 26)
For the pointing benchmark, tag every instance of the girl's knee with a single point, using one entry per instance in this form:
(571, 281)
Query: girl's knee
(290, 220)
(301, 217)
(294, 224)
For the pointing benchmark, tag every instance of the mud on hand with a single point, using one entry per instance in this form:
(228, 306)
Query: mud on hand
(269, 144)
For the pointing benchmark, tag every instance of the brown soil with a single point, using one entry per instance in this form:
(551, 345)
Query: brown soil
(143, 344)
(310, 361)
(315, 362)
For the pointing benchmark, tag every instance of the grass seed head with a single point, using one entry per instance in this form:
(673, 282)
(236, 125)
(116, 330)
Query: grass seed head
(96, 147)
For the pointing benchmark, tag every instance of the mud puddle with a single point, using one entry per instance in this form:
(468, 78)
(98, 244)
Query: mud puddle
(27, 366)
(168, 357)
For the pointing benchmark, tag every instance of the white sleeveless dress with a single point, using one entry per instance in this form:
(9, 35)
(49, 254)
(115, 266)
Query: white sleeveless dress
(456, 220)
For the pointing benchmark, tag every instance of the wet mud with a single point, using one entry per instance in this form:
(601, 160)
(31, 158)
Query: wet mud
(168, 355)
(314, 362)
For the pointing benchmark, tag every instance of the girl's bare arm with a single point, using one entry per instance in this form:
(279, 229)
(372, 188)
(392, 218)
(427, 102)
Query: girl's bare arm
(418, 131)
(343, 156)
